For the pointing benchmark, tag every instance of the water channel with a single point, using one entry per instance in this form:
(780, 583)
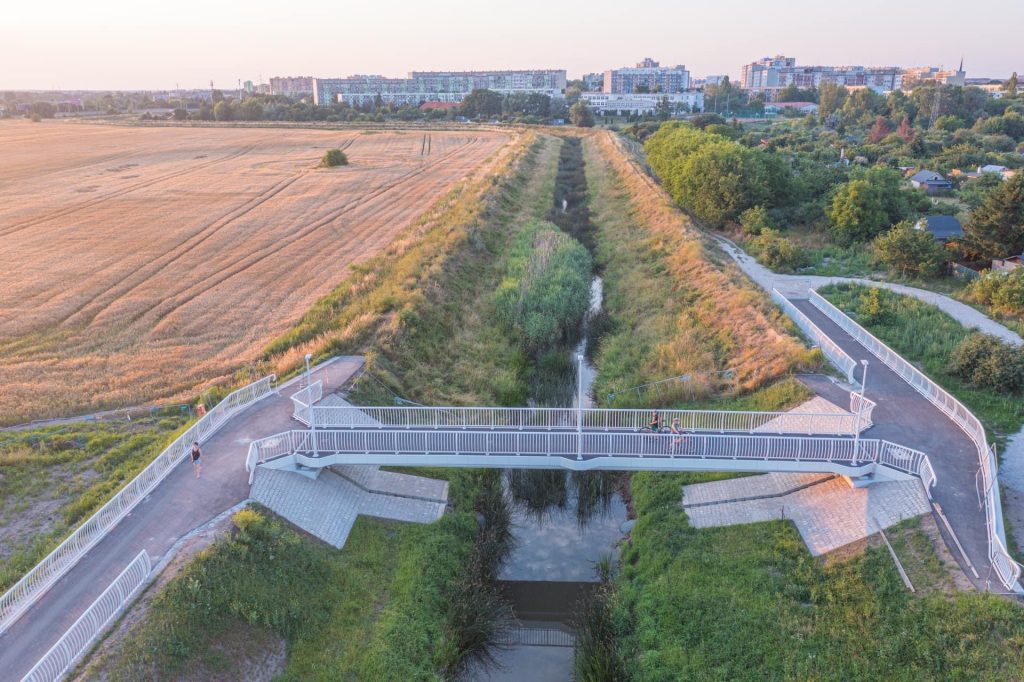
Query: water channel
(564, 525)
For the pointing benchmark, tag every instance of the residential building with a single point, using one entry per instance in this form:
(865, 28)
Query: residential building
(802, 107)
(638, 103)
(647, 76)
(922, 75)
(707, 80)
(434, 86)
(930, 181)
(942, 227)
(292, 86)
(593, 82)
(1008, 264)
(769, 75)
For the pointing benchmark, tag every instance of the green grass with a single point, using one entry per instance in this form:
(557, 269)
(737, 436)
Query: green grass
(367, 612)
(749, 603)
(840, 261)
(53, 478)
(926, 336)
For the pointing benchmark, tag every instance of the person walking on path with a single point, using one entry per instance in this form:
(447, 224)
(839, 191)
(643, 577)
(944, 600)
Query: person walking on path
(197, 462)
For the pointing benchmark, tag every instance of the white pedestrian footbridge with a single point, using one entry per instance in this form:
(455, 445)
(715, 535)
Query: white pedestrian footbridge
(587, 440)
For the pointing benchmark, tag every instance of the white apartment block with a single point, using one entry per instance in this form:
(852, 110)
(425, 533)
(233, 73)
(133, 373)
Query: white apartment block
(646, 76)
(771, 74)
(604, 103)
(291, 86)
(435, 86)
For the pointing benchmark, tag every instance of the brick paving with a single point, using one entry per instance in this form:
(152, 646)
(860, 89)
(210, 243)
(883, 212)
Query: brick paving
(327, 506)
(829, 514)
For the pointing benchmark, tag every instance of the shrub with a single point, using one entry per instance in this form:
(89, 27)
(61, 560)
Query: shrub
(986, 362)
(334, 157)
(910, 250)
(875, 308)
(777, 252)
(1003, 291)
(755, 220)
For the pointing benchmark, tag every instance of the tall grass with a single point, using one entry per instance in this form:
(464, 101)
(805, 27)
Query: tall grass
(53, 478)
(749, 603)
(674, 306)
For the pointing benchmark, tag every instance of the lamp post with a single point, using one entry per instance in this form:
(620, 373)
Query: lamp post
(309, 399)
(860, 409)
(579, 406)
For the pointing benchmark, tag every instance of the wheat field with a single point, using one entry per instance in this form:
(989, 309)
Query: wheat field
(141, 263)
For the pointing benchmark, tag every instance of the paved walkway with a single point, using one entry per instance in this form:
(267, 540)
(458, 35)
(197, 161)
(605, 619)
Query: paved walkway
(961, 312)
(827, 511)
(178, 505)
(905, 416)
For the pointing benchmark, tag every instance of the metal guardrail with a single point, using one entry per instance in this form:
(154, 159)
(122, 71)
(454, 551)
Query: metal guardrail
(302, 400)
(1008, 570)
(556, 419)
(551, 444)
(56, 662)
(836, 355)
(865, 406)
(43, 575)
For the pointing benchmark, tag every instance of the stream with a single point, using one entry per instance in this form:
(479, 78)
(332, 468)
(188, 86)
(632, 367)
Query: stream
(564, 524)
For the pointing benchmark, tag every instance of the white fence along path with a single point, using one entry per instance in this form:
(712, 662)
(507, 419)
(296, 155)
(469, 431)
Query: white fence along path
(836, 355)
(43, 575)
(80, 636)
(1006, 568)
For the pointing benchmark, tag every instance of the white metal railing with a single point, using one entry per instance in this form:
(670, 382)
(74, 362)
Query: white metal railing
(830, 348)
(554, 419)
(44, 574)
(866, 407)
(56, 662)
(548, 444)
(1006, 568)
(304, 399)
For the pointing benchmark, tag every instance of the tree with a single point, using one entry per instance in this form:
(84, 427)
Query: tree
(581, 115)
(663, 109)
(910, 250)
(482, 103)
(830, 99)
(251, 110)
(180, 114)
(857, 212)
(334, 157)
(216, 96)
(1011, 85)
(905, 132)
(879, 131)
(996, 228)
(222, 111)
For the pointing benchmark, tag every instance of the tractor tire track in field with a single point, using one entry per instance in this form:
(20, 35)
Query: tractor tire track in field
(239, 265)
(29, 222)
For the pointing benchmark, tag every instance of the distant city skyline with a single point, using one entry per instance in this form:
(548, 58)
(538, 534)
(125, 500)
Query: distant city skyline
(116, 44)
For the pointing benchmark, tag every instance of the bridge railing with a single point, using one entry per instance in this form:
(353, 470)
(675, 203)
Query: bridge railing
(56, 662)
(555, 419)
(551, 444)
(830, 348)
(303, 400)
(1008, 570)
(43, 575)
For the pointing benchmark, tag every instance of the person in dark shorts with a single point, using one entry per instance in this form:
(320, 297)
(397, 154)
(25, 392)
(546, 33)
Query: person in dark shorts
(655, 423)
(197, 462)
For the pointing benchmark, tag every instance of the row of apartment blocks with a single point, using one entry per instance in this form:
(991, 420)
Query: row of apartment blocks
(769, 75)
(434, 86)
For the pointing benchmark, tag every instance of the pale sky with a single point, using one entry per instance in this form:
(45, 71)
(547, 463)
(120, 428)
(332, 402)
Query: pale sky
(155, 44)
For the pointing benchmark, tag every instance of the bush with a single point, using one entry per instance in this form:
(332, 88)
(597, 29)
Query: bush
(910, 250)
(755, 220)
(334, 157)
(1003, 291)
(777, 252)
(988, 363)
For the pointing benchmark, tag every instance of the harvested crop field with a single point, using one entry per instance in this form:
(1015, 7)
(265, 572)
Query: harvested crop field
(140, 263)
